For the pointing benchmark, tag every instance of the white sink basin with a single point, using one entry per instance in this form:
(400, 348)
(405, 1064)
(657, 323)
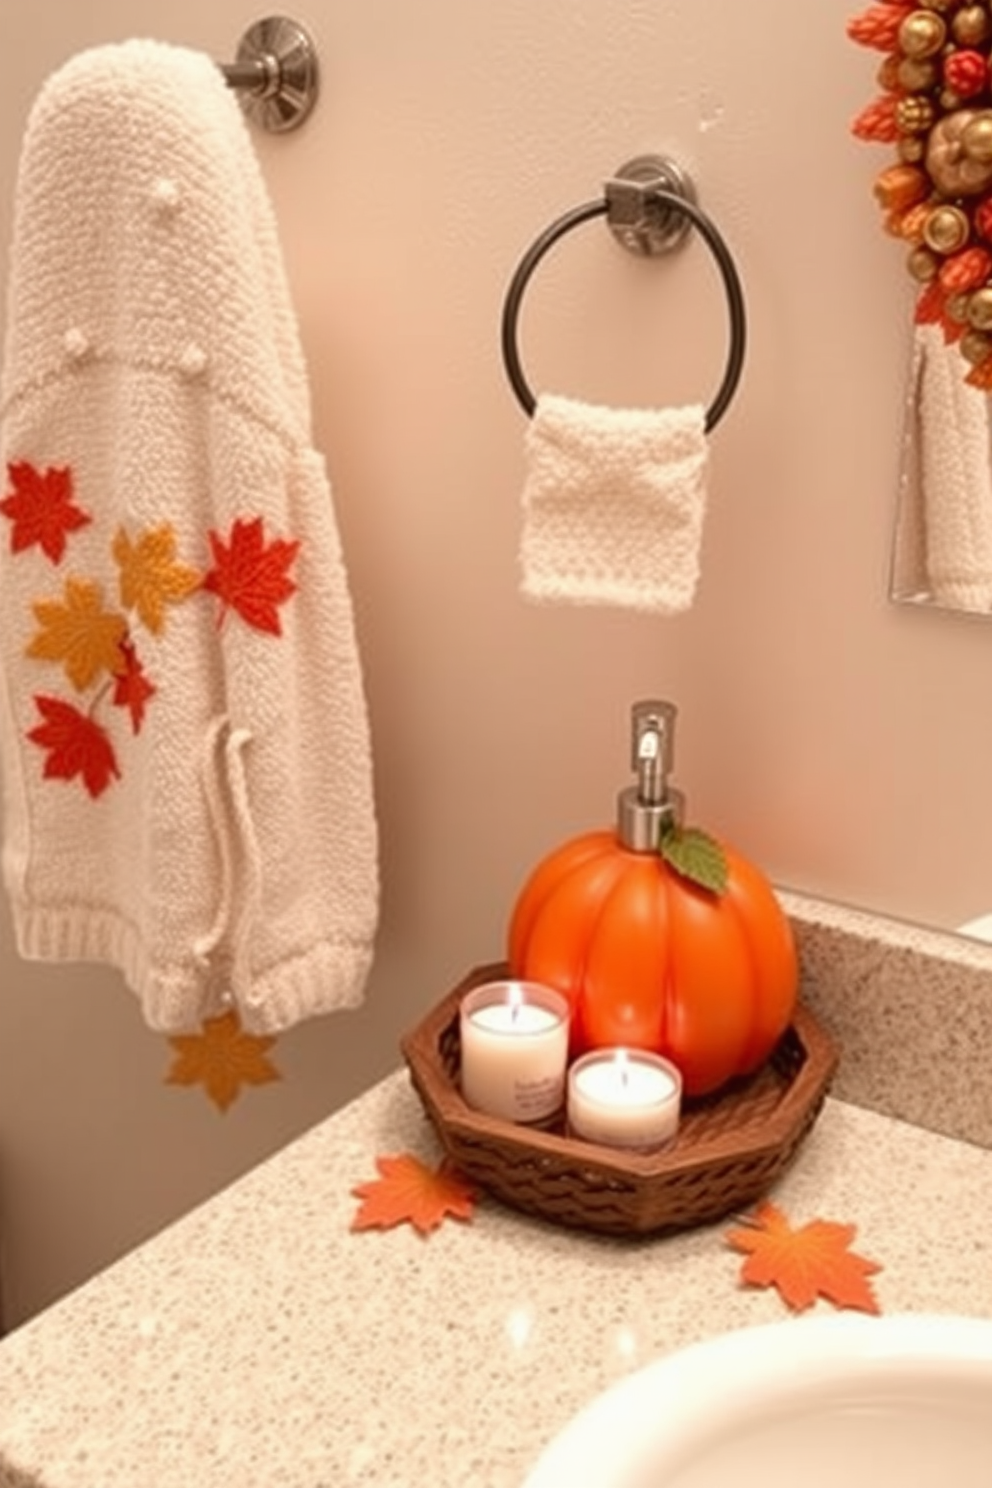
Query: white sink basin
(834, 1401)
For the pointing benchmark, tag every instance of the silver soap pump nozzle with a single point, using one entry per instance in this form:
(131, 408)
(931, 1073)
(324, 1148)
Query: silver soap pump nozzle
(644, 810)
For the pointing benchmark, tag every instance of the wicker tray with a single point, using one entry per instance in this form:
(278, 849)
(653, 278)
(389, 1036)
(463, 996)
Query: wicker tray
(729, 1149)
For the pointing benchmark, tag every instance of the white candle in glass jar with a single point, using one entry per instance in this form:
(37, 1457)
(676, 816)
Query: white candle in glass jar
(514, 1048)
(624, 1098)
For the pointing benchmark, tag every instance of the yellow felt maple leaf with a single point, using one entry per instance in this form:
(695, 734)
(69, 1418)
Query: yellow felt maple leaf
(408, 1189)
(222, 1058)
(814, 1260)
(150, 576)
(79, 632)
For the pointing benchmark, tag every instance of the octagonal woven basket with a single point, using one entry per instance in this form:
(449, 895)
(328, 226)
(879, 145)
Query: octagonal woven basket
(730, 1146)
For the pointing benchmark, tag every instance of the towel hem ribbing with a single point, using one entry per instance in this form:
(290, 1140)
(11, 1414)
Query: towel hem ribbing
(325, 978)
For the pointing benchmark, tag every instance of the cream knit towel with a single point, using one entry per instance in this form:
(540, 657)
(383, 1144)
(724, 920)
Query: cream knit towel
(185, 746)
(944, 532)
(613, 505)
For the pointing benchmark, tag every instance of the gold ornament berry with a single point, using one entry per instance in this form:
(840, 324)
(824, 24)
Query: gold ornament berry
(971, 25)
(922, 34)
(915, 115)
(922, 264)
(911, 149)
(975, 346)
(946, 230)
(976, 137)
(914, 74)
(980, 308)
(951, 162)
(957, 308)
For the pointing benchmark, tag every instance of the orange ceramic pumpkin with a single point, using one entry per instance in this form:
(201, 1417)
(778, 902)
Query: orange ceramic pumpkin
(650, 959)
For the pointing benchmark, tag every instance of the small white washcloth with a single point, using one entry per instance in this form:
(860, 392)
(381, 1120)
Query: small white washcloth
(613, 505)
(944, 544)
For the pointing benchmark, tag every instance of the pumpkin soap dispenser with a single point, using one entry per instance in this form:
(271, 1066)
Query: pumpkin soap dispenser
(660, 936)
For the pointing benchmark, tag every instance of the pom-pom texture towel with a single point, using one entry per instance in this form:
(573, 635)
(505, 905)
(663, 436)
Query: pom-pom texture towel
(185, 744)
(613, 505)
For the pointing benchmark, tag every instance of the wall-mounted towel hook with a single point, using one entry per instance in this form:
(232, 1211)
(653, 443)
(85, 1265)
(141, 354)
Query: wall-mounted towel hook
(650, 206)
(275, 72)
(640, 218)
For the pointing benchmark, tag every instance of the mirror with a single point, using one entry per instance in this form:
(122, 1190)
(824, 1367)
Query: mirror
(935, 109)
(942, 545)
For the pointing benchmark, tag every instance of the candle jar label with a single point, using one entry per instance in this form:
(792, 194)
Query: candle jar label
(514, 1047)
(536, 1100)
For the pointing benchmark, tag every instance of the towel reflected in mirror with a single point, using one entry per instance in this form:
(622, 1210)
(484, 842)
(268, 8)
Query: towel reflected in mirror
(942, 553)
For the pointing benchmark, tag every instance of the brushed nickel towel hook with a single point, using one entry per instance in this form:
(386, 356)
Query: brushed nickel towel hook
(276, 74)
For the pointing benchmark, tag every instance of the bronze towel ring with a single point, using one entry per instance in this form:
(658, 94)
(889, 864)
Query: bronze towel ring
(649, 206)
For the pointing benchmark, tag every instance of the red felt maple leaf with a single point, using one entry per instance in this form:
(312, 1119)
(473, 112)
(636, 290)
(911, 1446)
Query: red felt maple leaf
(931, 309)
(814, 1260)
(132, 688)
(408, 1189)
(250, 575)
(41, 508)
(75, 744)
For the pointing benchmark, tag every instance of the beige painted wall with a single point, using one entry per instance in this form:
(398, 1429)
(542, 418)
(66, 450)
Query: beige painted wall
(840, 741)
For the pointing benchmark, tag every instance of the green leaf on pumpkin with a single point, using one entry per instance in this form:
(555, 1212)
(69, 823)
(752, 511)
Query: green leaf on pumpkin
(695, 855)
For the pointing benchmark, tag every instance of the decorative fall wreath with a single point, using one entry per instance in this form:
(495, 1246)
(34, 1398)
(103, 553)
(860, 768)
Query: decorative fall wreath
(935, 106)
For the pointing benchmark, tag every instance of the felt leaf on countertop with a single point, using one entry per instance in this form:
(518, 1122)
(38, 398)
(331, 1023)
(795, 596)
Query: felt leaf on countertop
(408, 1189)
(132, 688)
(250, 575)
(79, 632)
(812, 1261)
(75, 745)
(150, 576)
(41, 508)
(222, 1058)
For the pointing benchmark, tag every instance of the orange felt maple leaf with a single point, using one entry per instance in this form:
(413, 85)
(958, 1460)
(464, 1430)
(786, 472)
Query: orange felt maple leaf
(150, 576)
(803, 1264)
(75, 744)
(250, 575)
(408, 1189)
(132, 688)
(222, 1058)
(980, 376)
(79, 632)
(41, 508)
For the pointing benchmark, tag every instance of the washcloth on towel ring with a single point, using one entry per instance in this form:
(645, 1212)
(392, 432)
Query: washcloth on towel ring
(614, 499)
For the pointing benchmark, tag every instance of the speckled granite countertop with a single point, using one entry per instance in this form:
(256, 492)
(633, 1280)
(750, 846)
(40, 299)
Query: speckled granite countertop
(259, 1343)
